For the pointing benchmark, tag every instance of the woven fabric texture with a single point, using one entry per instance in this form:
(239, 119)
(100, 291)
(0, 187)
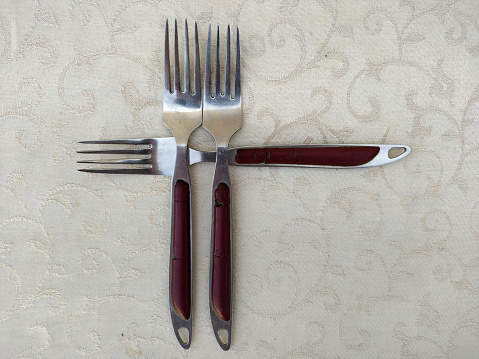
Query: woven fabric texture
(366, 263)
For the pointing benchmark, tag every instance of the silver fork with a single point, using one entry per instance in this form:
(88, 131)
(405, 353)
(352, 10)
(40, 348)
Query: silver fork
(182, 114)
(157, 156)
(222, 117)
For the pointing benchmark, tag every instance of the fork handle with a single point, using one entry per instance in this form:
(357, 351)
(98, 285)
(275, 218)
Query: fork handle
(221, 265)
(322, 155)
(181, 251)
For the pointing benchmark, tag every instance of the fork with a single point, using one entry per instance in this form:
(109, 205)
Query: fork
(157, 156)
(222, 117)
(182, 114)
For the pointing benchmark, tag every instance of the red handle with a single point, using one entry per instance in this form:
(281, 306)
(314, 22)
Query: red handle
(181, 261)
(221, 270)
(343, 156)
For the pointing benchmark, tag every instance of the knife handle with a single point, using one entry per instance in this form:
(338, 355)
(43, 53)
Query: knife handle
(221, 264)
(181, 253)
(338, 156)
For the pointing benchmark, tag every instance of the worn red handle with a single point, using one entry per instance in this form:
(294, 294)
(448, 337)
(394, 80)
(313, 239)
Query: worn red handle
(221, 269)
(181, 261)
(342, 156)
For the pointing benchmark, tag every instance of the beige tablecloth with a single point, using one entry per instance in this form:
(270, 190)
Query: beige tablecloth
(364, 263)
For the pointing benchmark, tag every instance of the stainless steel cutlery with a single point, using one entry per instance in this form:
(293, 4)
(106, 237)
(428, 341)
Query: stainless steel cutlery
(222, 117)
(182, 114)
(218, 108)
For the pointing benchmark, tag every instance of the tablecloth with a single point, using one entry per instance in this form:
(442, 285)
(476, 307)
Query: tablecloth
(378, 262)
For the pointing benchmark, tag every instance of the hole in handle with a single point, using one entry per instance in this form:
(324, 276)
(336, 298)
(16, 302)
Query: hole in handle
(223, 336)
(396, 152)
(184, 335)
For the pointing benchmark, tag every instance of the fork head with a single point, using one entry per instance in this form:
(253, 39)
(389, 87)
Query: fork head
(182, 108)
(222, 111)
(145, 156)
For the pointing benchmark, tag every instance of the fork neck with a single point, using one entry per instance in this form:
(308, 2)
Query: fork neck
(221, 168)
(181, 164)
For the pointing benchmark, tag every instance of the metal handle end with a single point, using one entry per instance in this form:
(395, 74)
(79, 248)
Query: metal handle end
(222, 330)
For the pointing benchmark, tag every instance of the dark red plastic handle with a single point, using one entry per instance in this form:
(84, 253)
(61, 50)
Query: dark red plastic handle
(181, 261)
(221, 270)
(319, 156)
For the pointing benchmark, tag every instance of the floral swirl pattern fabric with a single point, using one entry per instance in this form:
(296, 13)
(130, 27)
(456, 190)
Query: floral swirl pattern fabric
(365, 263)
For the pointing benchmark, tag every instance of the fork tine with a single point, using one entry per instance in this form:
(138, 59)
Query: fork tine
(118, 142)
(217, 64)
(142, 161)
(177, 61)
(166, 76)
(227, 65)
(117, 152)
(197, 63)
(237, 68)
(138, 171)
(187, 60)
(182, 114)
(207, 84)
